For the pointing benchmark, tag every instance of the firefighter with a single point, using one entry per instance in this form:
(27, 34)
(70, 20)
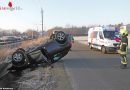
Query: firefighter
(71, 37)
(123, 47)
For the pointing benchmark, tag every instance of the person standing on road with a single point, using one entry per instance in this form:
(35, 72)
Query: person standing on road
(71, 37)
(123, 46)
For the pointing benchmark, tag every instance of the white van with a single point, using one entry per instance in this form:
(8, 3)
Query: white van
(103, 38)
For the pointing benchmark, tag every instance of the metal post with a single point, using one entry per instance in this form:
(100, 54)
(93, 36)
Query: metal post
(42, 20)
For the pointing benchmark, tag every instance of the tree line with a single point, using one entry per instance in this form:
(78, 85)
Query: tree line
(83, 30)
(74, 30)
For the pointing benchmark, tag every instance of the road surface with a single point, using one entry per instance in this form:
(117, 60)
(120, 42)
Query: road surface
(92, 70)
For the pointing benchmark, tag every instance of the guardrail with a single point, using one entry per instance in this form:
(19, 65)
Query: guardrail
(10, 45)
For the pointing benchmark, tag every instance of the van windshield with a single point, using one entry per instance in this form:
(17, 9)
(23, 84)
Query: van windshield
(110, 34)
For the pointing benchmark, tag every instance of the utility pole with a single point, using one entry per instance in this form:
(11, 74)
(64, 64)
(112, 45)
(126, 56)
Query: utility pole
(42, 20)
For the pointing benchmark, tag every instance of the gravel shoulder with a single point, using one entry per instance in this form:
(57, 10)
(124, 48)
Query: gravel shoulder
(40, 78)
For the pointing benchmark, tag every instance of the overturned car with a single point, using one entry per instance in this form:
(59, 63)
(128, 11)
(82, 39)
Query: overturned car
(51, 51)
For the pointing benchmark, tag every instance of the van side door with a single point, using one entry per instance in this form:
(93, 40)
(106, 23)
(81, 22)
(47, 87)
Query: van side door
(100, 39)
(95, 43)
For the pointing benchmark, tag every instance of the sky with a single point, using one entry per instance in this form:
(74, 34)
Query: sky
(63, 13)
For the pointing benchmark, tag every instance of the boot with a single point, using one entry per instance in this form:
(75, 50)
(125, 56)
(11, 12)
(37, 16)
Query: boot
(123, 66)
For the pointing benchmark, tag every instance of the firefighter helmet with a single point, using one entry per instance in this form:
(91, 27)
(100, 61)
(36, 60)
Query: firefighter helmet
(123, 31)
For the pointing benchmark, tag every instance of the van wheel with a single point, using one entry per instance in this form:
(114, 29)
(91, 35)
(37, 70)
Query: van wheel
(90, 46)
(103, 50)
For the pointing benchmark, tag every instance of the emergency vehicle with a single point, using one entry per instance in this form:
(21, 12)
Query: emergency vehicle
(103, 38)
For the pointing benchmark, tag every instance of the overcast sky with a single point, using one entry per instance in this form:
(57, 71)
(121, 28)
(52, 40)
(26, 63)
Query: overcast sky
(63, 12)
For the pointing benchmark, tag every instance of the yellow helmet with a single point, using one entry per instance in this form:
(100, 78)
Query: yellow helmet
(123, 31)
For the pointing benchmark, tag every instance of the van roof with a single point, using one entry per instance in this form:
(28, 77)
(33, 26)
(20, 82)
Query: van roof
(106, 28)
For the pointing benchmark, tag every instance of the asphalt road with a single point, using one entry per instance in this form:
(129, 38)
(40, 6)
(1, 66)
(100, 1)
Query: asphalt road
(92, 70)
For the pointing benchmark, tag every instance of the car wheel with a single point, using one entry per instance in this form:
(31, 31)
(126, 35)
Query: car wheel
(19, 59)
(103, 50)
(60, 37)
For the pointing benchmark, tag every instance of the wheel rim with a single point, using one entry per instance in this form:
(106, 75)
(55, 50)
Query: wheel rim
(60, 36)
(17, 57)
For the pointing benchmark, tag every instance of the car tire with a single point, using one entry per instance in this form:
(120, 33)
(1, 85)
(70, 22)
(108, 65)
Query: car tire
(60, 37)
(19, 59)
(20, 49)
(103, 50)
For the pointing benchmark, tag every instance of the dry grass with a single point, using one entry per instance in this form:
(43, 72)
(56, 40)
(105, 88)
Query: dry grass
(5, 51)
(25, 44)
(29, 43)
